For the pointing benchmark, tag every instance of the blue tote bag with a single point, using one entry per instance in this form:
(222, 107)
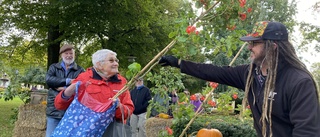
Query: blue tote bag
(81, 121)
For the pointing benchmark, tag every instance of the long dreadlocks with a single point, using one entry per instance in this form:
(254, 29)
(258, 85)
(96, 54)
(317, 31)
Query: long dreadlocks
(284, 52)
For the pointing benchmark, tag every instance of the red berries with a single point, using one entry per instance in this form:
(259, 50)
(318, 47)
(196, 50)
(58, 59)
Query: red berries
(202, 98)
(213, 84)
(193, 97)
(235, 96)
(231, 27)
(212, 103)
(169, 130)
(243, 16)
(192, 29)
(242, 3)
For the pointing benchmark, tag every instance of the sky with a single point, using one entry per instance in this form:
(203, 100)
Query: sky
(306, 14)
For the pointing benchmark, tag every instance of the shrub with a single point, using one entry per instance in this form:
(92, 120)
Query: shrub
(229, 126)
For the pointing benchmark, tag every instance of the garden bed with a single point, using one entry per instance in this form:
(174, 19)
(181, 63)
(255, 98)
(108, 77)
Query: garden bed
(228, 125)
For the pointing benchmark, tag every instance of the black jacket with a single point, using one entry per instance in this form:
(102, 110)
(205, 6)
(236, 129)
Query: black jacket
(295, 110)
(56, 77)
(140, 98)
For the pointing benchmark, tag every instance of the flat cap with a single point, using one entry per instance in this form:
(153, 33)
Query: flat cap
(65, 47)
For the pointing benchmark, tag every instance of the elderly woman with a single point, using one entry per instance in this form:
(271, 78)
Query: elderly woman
(100, 83)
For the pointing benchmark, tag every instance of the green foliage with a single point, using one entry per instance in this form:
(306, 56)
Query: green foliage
(164, 133)
(183, 111)
(133, 69)
(164, 81)
(22, 55)
(224, 103)
(217, 37)
(246, 114)
(310, 34)
(14, 90)
(14, 116)
(33, 76)
(128, 27)
(7, 114)
(229, 126)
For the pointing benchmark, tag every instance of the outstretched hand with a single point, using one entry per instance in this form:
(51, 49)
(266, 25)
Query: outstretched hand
(169, 60)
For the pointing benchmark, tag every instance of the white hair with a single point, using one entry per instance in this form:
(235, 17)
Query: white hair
(101, 55)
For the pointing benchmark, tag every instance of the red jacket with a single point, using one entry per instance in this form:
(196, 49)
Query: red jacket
(100, 90)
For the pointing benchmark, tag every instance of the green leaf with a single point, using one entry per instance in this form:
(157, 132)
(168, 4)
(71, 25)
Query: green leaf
(192, 50)
(229, 53)
(182, 39)
(173, 34)
(135, 67)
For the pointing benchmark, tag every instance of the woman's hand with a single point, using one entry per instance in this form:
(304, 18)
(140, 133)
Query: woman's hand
(114, 100)
(70, 90)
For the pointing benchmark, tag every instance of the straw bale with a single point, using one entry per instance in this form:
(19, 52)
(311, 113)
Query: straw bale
(154, 125)
(31, 121)
(28, 132)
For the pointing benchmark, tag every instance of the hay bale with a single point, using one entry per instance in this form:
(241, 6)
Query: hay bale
(28, 132)
(154, 125)
(31, 121)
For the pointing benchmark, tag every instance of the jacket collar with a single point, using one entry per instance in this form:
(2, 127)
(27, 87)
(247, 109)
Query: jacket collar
(95, 75)
(74, 66)
(281, 65)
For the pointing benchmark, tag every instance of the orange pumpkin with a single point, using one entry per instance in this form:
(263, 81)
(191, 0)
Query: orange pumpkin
(204, 132)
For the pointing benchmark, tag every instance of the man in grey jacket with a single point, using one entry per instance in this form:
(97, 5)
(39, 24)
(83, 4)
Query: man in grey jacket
(59, 76)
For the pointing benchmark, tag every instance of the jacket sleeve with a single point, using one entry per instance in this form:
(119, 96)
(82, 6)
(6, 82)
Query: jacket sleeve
(232, 76)
(125, 102)
(60, 103)
(304, 98)
(52, 80)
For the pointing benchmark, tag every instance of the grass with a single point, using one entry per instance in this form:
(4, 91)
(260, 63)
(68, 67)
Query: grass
(6, 124)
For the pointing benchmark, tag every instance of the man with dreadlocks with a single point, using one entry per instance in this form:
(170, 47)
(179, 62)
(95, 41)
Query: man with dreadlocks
(281, 92)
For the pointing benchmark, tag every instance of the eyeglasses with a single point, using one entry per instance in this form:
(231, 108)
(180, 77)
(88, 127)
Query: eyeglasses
(251, 44)
(112, 60)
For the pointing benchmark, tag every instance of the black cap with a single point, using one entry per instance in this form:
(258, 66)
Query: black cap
(267, 30)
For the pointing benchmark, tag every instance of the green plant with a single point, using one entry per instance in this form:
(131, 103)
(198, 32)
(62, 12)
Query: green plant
(247, 113)
(7, 116)
(164, 81)
(166, 133)
(33, 75)
(14, 116)
(228, 125)
(133, 69)
(224, 103)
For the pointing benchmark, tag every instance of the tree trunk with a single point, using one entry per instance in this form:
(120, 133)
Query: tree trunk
(54, 45)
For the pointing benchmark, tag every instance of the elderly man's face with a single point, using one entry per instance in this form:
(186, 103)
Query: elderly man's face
(68, 56)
